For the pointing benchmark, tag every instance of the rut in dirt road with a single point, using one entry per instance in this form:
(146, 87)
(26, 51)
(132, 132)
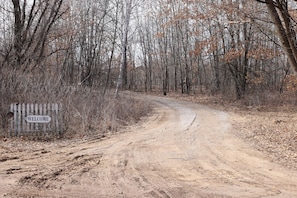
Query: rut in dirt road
(183, 150)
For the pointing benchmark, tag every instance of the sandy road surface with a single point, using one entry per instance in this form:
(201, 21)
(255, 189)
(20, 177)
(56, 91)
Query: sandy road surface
(184, 150)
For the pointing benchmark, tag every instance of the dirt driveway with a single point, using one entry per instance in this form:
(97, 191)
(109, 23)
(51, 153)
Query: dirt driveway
(183, 150)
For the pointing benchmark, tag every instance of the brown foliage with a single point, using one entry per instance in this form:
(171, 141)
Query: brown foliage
(262, 53)
(291, 83)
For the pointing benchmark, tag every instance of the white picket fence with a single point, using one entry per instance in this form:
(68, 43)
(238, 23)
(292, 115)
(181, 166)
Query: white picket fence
(36, 120)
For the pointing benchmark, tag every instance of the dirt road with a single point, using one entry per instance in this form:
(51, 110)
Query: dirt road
(183, 150)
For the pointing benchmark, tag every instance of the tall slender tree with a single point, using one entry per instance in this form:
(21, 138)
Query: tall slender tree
(122, 79)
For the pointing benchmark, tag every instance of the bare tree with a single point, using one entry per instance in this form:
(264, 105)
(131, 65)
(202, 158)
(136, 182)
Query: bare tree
(33, 21)
(122, 79)
(284, 23)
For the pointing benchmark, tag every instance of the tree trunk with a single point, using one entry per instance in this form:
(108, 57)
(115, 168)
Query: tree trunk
(122, 78)
(285, 29)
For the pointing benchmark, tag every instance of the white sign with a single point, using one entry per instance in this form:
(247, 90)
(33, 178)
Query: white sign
(38, 119)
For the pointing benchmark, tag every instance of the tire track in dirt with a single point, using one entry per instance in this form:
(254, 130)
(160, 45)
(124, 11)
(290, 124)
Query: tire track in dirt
(184, 150)
(234, 162)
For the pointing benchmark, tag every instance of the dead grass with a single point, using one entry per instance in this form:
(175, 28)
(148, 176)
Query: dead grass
(93, 115)
(86, 111)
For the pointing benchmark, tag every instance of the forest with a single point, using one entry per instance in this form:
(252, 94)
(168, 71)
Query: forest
(85, 53)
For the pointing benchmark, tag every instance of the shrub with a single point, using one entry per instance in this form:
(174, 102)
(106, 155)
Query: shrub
(86, 111)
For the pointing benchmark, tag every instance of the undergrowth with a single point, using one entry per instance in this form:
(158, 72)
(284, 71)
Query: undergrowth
(86, 111)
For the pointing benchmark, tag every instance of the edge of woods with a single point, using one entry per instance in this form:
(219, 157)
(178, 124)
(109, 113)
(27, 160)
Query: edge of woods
(87, 112)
